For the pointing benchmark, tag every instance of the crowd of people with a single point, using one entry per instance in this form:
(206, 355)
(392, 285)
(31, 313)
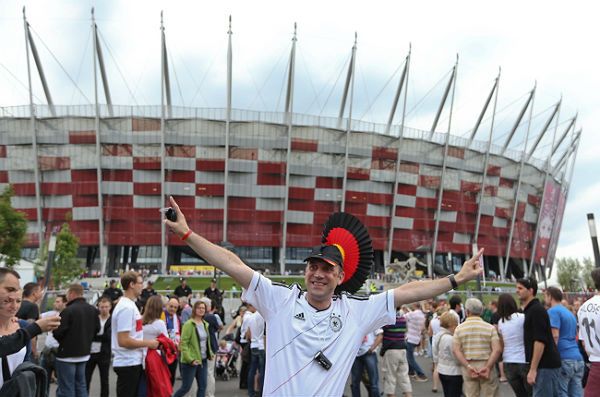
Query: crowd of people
(298, 342)
(145, 336)
(538, 348)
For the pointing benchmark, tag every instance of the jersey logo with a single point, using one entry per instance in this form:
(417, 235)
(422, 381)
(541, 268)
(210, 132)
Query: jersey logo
(335, 323)
(299, 316)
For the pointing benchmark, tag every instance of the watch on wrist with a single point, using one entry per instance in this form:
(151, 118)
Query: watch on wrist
(453, 281)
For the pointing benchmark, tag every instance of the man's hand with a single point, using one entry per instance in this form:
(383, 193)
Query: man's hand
(531, 375)
(49, 323)
(484, 372)
(153, 344)
(470, 269)
(473, 373)
(180, 227)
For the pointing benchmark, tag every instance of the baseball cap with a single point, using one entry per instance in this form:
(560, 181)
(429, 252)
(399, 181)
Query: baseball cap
(328, 253)
(214, 280)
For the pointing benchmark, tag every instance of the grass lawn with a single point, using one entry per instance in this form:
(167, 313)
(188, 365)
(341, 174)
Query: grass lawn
(200, 283)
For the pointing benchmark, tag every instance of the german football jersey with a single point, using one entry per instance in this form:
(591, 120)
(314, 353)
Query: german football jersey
(296, 332)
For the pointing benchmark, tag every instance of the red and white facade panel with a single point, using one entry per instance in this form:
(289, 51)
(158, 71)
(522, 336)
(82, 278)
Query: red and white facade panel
(194, 162)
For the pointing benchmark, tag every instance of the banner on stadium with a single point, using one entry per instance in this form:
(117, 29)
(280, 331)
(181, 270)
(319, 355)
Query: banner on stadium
(550, 222)
(203, 270)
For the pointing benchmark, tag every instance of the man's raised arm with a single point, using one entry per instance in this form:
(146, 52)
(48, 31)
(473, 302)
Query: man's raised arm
(219, 257)
(416, 291)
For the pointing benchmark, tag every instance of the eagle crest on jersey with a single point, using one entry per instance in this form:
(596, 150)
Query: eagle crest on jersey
(352, 239)
(335, 323)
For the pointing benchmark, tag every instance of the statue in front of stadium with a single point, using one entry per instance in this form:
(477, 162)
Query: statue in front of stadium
(405, 270)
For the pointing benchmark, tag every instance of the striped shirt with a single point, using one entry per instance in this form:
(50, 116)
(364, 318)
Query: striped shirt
(474, 338)
(394, 335)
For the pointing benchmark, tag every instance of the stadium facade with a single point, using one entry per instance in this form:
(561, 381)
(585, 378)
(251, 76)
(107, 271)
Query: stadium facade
(266, 182)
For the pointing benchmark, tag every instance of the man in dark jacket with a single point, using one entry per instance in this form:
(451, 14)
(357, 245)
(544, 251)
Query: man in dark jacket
(101, 351)
(79, 324)
(113, 292)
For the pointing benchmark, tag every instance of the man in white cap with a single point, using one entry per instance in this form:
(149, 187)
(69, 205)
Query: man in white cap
(313, 336)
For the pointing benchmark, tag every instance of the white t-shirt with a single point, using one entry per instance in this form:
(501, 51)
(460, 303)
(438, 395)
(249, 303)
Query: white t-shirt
(415, 322)
(154, 329)
(244, 327)
(257, 331)
(589, 327)
(51, 342)
(435, 325)
(126, 318)
(13, 362)
(296, 332)
(512, 337)
(368, 341)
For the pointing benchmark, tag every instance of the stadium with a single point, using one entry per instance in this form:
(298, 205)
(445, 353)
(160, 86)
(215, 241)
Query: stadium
(263, 183)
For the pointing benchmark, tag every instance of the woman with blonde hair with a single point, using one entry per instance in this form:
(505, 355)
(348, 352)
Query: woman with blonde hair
(448, 367)
(195, 351)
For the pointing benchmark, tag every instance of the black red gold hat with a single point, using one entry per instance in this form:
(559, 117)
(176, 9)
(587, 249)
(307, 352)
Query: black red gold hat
(327, 253)
(353, 243)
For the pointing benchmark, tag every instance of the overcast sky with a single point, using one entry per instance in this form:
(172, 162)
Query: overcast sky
(551, 42)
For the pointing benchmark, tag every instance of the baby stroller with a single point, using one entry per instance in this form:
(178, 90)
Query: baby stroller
(225, 366)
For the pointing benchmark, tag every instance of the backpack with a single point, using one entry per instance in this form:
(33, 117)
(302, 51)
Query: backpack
(27, 380)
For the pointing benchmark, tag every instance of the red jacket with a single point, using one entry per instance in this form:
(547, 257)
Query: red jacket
(158, 377)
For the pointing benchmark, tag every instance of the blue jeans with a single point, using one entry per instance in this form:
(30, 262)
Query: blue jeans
(71, 379)
(547, 383)
(413, 366)
(188, 373)
(257, 363)
(368, 361)
(571, 373)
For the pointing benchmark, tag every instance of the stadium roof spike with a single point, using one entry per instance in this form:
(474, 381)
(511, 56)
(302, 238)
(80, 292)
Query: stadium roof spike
(564, 134)
(485, 106)
(30, 45)
(165, 65)
(399, 91)
(519, 118)
(545, 128)
(100, 58)
(349, 80)
(444, 98)
(568, 152)
(289, 96)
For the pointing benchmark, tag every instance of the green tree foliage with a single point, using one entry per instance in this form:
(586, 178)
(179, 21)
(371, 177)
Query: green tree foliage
(586, 273)
(66, 264)
(13, 226)
(569, 274)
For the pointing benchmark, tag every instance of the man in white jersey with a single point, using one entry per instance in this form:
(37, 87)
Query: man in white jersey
(589, 334)
(256, 331)
(313, 336)
(127, 337)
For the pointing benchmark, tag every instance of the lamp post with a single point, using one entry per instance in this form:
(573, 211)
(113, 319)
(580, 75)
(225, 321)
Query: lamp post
(51, 250)
(594, 236)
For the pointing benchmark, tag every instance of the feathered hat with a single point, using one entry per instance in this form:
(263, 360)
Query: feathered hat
(346, 242)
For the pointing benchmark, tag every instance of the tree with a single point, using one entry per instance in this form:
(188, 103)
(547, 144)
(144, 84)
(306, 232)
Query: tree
(66, 264)
(13, 226)
(586, 273)
(568, 272)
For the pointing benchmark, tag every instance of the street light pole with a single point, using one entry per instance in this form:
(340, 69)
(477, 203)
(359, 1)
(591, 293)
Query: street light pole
(594, 236)
(51, 250)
